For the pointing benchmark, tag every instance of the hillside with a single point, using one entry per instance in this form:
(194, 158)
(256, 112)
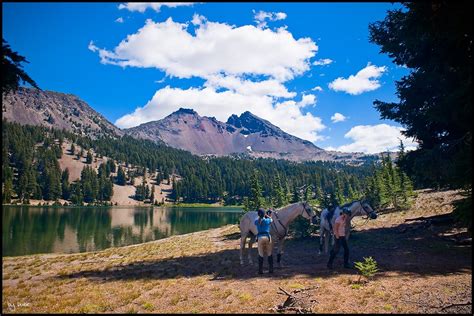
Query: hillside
(422, 270)
(59, 110)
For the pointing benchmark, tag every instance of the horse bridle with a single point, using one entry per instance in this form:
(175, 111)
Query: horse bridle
(363, 207)
(306, 210)
(285, 228)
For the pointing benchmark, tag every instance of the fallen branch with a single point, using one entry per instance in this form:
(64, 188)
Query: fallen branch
(457, 304)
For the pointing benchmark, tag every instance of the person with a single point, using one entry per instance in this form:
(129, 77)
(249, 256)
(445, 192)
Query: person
(264, 240)
(340, 234)
(332, 206)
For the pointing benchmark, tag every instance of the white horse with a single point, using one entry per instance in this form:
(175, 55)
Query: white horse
(278, 229)
(358, 208)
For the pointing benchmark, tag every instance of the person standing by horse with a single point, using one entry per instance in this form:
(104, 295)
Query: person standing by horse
(264, 239)
(340, 234)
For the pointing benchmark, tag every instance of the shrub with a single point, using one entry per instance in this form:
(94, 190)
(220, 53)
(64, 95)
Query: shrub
(368, 268)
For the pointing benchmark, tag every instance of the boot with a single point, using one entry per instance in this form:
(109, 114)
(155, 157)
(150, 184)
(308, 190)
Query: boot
(260, 265)
(270, 264)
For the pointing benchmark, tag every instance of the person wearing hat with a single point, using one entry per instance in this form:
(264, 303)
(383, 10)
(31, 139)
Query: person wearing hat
(264, 240)
(340, 234)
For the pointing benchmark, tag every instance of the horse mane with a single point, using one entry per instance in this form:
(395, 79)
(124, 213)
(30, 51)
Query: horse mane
(350, 203)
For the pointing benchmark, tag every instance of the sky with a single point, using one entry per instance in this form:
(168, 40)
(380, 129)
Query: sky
(308, 68)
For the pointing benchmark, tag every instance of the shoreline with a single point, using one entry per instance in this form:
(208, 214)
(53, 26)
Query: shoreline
(128, 206)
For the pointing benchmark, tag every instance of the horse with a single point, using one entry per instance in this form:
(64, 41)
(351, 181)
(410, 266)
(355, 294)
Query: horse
(278, 229)
(357, 208)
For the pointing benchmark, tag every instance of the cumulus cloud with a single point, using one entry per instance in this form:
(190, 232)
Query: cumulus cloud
(248, 87)
(215, 48)
(365, 80)
(244, 68)
(261, 17)
(338, 117)
(323, 62)
(119, 20)
(317, 88)
(373, 139)
(208, 102)
(143, 6)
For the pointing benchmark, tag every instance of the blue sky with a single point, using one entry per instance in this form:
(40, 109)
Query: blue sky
(136, 64)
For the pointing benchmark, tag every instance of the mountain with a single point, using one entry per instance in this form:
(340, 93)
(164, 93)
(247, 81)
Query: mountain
(244, 135)
(58, 110)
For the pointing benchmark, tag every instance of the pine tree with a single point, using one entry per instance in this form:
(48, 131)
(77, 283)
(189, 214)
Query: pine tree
(65, 188)
(278, 195)
(7, 191)
(89, 158)
(121, 178)
(256, 197)
(152, 194)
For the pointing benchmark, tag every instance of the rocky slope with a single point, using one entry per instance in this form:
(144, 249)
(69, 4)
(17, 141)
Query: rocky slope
(244, 135)
(58, 110)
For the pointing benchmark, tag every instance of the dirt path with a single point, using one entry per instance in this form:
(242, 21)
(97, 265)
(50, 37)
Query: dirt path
(421, 271)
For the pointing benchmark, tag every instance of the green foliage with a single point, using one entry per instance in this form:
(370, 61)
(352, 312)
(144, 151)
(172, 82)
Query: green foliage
(368, 268)
(434, 40)
(12, 72)
(256, 197)
(89, 158)
(121, 178)
(389, 186)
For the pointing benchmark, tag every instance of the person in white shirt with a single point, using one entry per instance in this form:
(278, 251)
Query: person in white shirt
(340, 235)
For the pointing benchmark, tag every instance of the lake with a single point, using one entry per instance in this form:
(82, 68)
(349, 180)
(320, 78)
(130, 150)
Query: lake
(30, 230)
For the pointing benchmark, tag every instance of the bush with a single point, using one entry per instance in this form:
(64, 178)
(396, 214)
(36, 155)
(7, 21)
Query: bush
(368, 268)
(301, 228)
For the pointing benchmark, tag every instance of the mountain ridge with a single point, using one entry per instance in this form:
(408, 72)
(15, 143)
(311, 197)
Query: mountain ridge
(244, 135)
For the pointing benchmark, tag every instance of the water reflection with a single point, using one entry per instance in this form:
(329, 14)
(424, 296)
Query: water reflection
(29, 230)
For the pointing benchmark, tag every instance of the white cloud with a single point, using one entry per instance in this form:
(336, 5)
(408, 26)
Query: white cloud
(338, 117)
(317, 88)
(119, 20)
(208, 102)
(216, 48)
(246, 87)
(323, 62)
(373, 139)
(198, 19)
(363, 81)
(261, 17)
(142, 6)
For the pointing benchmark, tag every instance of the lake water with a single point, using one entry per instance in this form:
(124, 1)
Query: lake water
(30, 230)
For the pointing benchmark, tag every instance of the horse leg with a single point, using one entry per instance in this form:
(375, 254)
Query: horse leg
(242, 247)
(327, 238)
(280, 252)
(321, 240)
(251, 241)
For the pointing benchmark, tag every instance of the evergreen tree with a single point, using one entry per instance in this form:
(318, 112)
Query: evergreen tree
(12, 72)
(72, 150)
(89, 158)
(89, 184)
(152, 194)
(434, 40)
(278, 195)
(65, 187)
(76, 194)
(121, 178)
(256, 198)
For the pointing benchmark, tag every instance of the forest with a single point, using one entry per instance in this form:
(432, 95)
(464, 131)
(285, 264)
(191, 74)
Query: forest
(30, 170)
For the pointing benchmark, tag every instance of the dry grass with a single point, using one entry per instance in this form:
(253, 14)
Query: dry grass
(200, 273)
